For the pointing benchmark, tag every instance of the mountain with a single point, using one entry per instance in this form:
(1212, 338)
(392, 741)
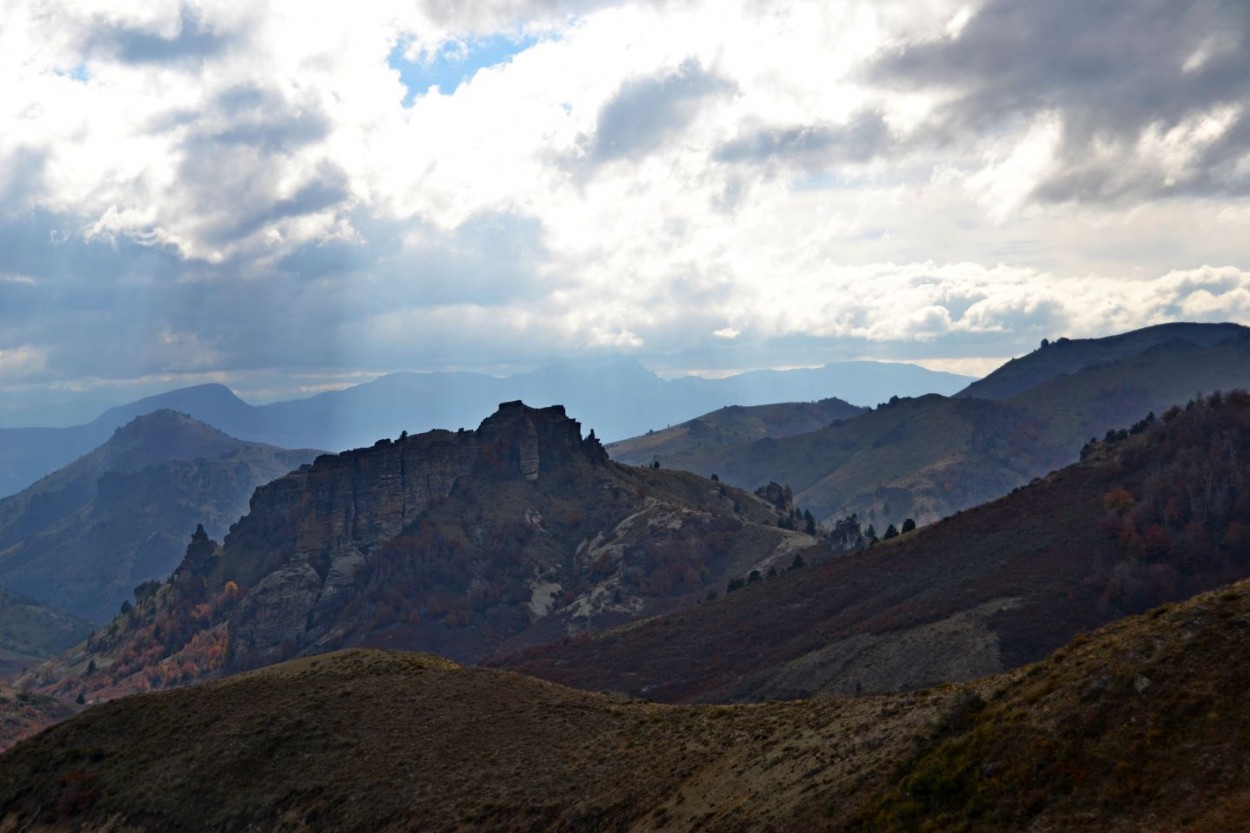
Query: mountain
(1066, 356)
(1149, 517)
(685, 446)
(921, 458)
(28, 454)
(81, 538)
(620, 400)
(1140, 726)
(930, 456)
(31, 632)
(461, 543)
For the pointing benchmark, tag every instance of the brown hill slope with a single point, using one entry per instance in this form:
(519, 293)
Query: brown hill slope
(1151, 518)
(454, 542)
(686, 446)
(24, 713)
(81, 538)
(1138, 727)
(1141, 726)
(366, 741)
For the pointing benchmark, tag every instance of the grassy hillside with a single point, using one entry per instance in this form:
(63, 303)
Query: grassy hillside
(1142, 726)
(24, 713)
(1138, 727)
(368, 741)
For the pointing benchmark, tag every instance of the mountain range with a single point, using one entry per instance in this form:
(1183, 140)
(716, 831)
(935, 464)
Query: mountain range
(618, 400)
(930, 456)
(524, 545)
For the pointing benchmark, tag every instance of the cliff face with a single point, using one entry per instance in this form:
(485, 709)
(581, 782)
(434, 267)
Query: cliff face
(454, 542)
(324, 514)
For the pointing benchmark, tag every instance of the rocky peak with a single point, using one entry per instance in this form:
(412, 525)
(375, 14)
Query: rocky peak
(537, 437)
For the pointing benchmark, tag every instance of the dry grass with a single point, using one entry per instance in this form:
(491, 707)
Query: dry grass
(368, 740)
(1141, 726)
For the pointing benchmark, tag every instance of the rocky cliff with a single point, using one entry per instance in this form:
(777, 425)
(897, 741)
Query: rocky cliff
(456, 542)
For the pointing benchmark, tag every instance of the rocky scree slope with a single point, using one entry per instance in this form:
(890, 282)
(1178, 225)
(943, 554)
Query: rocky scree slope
(460, 543)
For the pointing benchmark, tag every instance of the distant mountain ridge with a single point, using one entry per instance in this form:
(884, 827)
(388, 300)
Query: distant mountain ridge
(619, 400)
(1065, 356)
(929, 456)
(83, 537)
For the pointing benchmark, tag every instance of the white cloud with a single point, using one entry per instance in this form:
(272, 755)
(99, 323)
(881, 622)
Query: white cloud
(769, 182)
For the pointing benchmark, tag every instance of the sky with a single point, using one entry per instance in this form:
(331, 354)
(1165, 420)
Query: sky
(294, 196)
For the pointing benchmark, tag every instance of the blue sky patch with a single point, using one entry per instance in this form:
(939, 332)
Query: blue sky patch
(455, 62)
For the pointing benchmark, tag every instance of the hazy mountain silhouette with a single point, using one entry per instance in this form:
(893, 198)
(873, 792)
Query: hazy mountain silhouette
(619, 400)
(929, 456)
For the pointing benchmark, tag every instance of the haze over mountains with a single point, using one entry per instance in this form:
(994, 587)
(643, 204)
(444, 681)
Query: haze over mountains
(618, 400)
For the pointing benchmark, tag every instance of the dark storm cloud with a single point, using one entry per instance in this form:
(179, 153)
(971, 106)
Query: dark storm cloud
(1112, 70)
(192, 43)
(645, 112)
(863, 138)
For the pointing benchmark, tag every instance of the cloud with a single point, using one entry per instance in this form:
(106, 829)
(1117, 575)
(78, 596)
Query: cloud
(865, 136)
(1150, 96)
(228, 189)
(646, 111)
(188, 42)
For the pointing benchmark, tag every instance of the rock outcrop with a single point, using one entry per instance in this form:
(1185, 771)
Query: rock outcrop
(455, 542)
